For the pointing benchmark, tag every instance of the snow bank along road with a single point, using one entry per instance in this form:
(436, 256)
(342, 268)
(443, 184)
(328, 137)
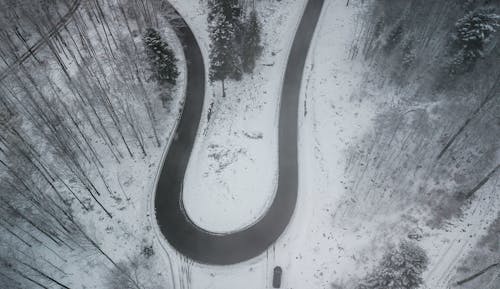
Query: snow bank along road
(221, 249)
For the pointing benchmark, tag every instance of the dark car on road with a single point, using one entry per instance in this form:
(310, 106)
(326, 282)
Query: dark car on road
(277, 272)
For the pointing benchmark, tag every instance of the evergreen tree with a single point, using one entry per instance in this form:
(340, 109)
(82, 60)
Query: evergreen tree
(230, 9)
(251, 47)
(232, 12)
(234, 45)
(224, 59)
(474, 30)
(399, 269)
(161, 57)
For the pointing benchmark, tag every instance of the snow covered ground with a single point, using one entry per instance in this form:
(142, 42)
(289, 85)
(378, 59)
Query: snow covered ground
(334, 238)
(133, 180)
(312, 252)
(232, 173)
(126, 186)
(337, 234)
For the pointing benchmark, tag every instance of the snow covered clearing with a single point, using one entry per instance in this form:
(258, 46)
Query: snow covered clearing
(232, 173)
(379, 160)
(343, 223)
(329, 107)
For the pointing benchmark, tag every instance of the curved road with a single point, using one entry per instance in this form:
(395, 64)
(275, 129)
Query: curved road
(179, 230)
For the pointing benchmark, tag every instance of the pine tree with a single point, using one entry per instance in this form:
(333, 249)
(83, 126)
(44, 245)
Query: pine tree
(474, 30)
(230, 9)
(224, 59)
(161, 57)
(399, 269)
(251, 47)
(232, 12)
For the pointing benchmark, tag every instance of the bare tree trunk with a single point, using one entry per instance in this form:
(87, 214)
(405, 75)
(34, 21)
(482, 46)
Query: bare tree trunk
(491, 95)
(477, 274)
(223, 89)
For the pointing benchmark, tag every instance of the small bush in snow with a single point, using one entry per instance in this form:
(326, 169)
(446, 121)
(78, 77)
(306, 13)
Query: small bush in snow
(474, 30)
(148, 251)
(401, 268)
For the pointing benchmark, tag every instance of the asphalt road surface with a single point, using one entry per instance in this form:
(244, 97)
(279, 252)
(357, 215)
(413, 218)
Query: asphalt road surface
(223, 249)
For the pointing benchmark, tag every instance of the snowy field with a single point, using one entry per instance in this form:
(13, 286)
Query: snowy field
(332, 119)
(333, 239)
(368, 175)
(232, 174)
